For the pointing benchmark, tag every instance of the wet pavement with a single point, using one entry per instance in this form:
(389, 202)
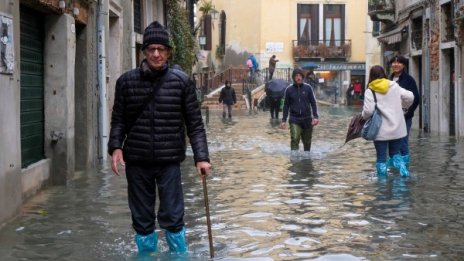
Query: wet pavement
(266, 204)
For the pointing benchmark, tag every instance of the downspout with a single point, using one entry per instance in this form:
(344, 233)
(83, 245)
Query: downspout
(102, 95)
(426, 69)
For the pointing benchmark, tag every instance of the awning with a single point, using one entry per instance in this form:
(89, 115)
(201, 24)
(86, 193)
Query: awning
(394, 36)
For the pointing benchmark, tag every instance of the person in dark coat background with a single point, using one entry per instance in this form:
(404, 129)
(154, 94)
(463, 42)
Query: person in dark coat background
(272, 66)
(154, 105)
(227, 98)
(300, 104)
(399, 64)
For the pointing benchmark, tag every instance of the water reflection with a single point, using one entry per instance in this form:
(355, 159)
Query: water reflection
(266, 204)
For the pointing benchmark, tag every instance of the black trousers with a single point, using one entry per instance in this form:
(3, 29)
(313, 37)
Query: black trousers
(274, 105)
(143, 182)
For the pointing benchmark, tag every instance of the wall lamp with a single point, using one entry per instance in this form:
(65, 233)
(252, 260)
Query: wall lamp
(62, 5)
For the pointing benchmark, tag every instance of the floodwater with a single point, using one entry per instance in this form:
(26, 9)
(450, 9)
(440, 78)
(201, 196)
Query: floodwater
(266, 204)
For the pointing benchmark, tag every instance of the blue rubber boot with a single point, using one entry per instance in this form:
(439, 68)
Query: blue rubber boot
(176, 241)
(400, 165)
(147, 244)
(406, 160)
(381, 169)
(389, 163)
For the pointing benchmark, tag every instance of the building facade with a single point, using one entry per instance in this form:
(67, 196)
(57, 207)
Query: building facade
(430, 34)
(328, 34)
(59, 63)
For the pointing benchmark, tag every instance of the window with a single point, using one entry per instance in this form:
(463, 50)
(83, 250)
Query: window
(308, 23)
(138, 16)
(447, 27)
(416, 34)
(334, 25)
(376, 28)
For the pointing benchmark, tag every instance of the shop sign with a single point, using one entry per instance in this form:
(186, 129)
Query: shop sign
(340, 66)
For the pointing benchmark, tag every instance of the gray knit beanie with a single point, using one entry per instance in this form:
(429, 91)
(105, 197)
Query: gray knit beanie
(155, 33)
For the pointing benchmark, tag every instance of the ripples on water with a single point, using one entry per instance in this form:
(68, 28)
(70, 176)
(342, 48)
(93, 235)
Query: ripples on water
(266, 204)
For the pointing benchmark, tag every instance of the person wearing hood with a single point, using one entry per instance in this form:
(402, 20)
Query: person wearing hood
(228, 98)
(391, 99)
(300, 107)
(399, 64)
(154, 107)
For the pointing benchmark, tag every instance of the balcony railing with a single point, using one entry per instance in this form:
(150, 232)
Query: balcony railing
(382, 10)
(334, 49)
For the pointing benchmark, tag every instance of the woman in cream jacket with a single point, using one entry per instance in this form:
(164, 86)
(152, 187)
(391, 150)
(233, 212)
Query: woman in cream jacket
(392, 101)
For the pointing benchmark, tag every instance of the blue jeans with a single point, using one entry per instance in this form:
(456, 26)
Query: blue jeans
(381, 147)
(405, 141)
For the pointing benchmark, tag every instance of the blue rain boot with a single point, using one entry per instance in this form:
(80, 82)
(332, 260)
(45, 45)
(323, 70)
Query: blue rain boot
(147, 244)
(400, 165)
(381, 169)
(406, 160)
(176, 241)
(389, 163)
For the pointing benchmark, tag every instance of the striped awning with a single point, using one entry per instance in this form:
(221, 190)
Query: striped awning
(392, 37)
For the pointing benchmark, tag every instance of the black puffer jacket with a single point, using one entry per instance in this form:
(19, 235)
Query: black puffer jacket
(148, 121)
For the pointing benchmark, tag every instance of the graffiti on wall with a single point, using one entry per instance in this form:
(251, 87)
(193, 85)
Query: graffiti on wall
(6, 45)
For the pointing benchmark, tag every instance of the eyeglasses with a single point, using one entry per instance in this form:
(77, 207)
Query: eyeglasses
(161, 50)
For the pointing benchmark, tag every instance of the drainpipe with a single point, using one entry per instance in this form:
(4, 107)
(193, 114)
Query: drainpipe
(101, 71)
(426, 69)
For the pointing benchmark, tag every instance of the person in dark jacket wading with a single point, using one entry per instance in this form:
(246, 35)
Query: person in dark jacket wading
(300, 104)
(227, 98)
(154, 105)
(399, 66)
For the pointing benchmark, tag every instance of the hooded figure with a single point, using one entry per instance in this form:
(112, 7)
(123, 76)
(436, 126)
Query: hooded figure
(227, 98)
(300, 107)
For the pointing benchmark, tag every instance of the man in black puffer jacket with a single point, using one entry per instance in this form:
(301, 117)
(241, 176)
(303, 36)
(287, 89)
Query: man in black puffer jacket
(153, 108)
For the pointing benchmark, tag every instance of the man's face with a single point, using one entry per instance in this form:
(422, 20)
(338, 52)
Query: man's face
(298, 78)
(397, 67)
(157, 55)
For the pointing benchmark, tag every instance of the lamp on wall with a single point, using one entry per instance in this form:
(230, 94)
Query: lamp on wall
(75, 11)
(214, 14)
(62, 5)
(202, 41)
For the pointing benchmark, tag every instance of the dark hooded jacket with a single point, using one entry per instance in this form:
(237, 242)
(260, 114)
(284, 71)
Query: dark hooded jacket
(299, 103)
(150, 118)
(407, 82)
(227, 95)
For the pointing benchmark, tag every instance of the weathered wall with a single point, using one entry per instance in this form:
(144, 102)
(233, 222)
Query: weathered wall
(10, 159)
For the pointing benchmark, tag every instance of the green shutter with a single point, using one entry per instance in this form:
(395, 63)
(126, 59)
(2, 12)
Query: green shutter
(32, 86)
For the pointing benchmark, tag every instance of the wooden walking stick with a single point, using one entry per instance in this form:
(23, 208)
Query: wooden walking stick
(208, 221)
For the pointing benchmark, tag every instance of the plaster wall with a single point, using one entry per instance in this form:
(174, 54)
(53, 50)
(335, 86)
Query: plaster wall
(10, 159)
(86, 118)
(59, 63)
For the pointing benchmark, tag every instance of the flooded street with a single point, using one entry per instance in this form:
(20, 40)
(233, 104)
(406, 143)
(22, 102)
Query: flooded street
(266, 204)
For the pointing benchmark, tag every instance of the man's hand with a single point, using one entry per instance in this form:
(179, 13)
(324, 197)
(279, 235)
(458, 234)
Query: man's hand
(116, 159)
(203, 168)
(283, 125)
(315, 122)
